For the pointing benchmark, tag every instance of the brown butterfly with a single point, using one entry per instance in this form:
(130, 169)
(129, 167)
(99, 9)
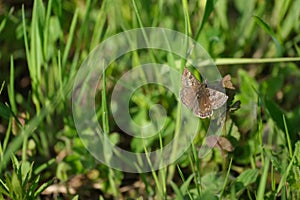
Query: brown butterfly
(199, 97)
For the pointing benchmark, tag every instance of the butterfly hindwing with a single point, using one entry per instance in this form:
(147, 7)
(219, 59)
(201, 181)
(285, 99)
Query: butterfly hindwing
(203, 107)
(217, 98)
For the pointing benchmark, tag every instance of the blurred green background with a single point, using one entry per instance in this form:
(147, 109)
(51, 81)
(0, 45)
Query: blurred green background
(43, 43)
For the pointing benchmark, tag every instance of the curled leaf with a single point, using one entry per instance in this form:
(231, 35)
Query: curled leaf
(220, 142)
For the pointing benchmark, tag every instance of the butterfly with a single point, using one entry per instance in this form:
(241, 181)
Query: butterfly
(198, 97)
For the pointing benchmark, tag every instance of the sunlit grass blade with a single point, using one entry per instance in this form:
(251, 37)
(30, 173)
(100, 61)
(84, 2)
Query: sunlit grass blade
(27, 50)
(187, 24)
(209, 6)
(70, 39)
(195, 163)
(236, 61)
(44, 166)
(268, 30)
(11, 87)
(80, 38)
(34, 53)
(16, 143)
(187, 27)
(226, 178)
(105, 124)
(288, 139)
(3, 23)
(2, 86)
(159, 187)
(285, 175)
(263, 181)
(179, 194)
(186, 182)
(297, 49)
(99, 26)
(5, 112)
(46, 30)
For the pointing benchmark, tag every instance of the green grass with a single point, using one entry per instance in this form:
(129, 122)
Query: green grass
(43, 46)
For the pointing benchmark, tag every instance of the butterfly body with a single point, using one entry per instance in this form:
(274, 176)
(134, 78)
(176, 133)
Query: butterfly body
(199, 97)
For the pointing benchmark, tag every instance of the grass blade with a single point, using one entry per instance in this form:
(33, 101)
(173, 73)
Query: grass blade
(263, 180)
(268, 30)
(209, 6)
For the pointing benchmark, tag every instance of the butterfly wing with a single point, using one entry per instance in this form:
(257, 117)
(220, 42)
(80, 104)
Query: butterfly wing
(217, 98)
(200, 105)
(188, 96)
(189, 89)
(203, 108)
(189, 80)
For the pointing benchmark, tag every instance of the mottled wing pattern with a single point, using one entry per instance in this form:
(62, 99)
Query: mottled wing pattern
(188, 96)
(203, 106)
(217, 98)
(199, 97)
(189, 80)
(195, 95)
(188, 93)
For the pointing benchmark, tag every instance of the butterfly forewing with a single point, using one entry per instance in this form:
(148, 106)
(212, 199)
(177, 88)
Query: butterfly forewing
(188, 93)
(188, 97)
(189, 80)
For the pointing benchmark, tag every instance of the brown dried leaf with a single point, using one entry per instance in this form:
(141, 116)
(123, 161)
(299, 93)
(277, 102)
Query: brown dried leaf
(226, 82)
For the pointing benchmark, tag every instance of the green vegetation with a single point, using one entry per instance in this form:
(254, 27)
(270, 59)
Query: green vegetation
(42, 47)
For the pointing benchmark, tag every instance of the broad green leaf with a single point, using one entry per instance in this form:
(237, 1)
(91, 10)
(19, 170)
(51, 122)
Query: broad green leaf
(248, 176)
(212, 182)
(209, 195)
